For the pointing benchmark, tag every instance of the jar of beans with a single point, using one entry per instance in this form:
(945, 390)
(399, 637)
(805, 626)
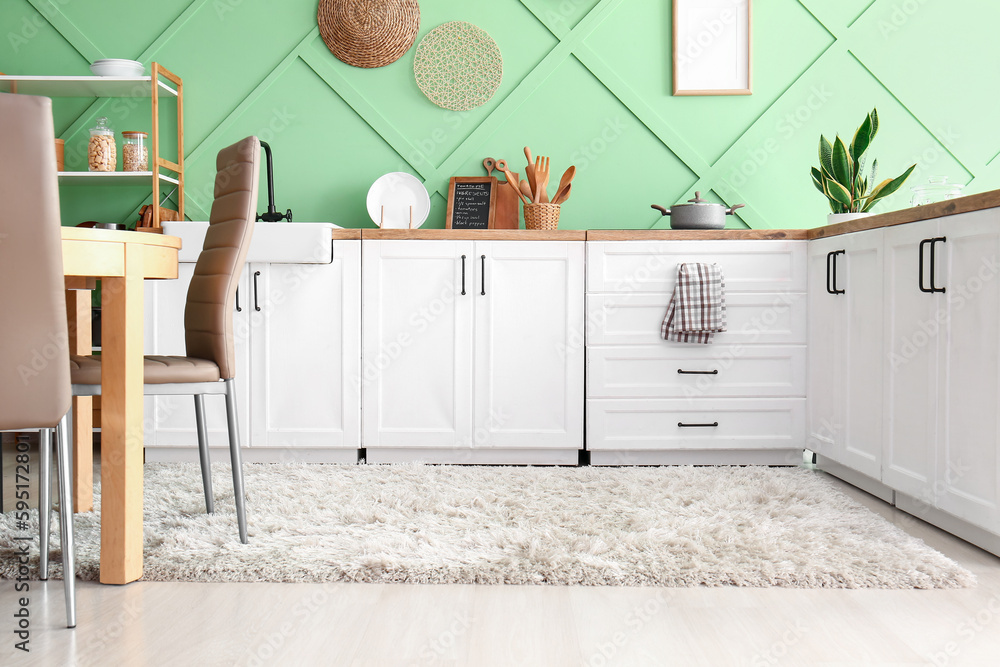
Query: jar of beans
(135, 154)
(101, 153)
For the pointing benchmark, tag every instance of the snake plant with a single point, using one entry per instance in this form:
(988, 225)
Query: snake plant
(841, 178)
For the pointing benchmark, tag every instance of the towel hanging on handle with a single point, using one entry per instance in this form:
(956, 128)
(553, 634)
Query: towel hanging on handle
(697, 308)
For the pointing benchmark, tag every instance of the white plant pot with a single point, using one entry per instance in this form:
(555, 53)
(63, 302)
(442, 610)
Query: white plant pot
(834, 218)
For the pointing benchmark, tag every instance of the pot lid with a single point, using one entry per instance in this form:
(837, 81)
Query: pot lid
(698, 201)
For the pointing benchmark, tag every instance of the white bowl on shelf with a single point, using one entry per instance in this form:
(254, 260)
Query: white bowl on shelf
(118, 67)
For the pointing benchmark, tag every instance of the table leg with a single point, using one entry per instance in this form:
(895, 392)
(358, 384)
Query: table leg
(81, 342)
(121, 422)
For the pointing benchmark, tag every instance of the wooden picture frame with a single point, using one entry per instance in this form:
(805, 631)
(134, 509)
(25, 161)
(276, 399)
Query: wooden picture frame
(712, 47)
(470, 200)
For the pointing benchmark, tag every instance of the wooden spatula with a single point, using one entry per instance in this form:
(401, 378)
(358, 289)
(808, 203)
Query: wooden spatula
(529, 171)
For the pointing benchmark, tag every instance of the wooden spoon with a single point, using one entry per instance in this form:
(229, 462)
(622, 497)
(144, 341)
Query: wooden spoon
(514, 183)
(565, 180)
(526, 190)
(563, 194)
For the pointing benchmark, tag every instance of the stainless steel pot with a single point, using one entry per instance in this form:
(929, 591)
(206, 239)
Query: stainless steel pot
(698, 214)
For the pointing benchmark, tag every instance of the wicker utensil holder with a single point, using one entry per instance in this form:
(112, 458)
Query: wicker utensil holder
(541, 216)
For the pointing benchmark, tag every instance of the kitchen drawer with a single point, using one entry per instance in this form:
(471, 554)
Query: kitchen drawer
(651, 266)
(650, 424)
(641, 371)
(752, 317)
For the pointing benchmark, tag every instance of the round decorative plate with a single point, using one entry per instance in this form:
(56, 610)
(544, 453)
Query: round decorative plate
(368, 33)
(458, 66)
(393, 197)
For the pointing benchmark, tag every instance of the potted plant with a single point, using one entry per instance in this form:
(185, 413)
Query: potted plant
(841, 176)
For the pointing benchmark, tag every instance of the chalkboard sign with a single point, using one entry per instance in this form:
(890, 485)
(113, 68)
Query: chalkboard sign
(471, 202)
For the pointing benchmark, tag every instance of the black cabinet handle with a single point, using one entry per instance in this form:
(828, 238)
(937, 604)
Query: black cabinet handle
(833, 273)
(482, 275)
(684, 372)
(683, 425)
(238, 309)
(934, 242)
(829, 259)
(920, 266)
(463, 275)
(255, 306)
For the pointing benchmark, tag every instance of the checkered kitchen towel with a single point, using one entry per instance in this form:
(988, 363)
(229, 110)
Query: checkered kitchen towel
(697, 308)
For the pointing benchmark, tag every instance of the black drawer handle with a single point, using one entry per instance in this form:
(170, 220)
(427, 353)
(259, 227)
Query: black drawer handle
(463, 275)
(238, 309)
(482, 275)
(681, 371)
(683, 425)
(832, 259)
(255, 306)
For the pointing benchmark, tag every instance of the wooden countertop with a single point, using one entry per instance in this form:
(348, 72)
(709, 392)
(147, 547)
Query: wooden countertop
(696, 234)
(346, 234)
(967, 204)
(475, 234)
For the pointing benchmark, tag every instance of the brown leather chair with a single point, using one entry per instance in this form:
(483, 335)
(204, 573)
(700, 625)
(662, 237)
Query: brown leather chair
(34, 354)
(210, 364)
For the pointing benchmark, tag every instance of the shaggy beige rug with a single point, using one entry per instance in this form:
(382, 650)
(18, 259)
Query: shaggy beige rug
(671, 526)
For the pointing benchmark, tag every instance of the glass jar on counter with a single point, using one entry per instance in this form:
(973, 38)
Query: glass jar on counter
(101, 152)
(135, 153)
(936, 189)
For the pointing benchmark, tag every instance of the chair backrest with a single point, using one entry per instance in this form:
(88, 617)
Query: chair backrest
(34, 346)
(208, 315)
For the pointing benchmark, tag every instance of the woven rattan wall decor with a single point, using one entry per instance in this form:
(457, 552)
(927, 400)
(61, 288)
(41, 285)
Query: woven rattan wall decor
(458, 66)
(368, 33)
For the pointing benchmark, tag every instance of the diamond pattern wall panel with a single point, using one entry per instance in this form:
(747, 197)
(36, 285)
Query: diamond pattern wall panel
(585, 81)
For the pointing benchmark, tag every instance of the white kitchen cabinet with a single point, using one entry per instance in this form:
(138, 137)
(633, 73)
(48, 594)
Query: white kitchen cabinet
(943, 365)
(740, 399)
(473, 351)
(845, 349)
(298, 334)
(910, 363)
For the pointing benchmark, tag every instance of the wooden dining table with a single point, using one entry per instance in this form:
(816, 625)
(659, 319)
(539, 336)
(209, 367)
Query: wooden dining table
(121, 261)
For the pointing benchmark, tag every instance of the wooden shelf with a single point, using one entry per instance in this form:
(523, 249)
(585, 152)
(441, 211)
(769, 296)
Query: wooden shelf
(82, 86)
(110, 178)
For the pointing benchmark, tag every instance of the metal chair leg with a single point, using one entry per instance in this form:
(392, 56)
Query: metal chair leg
(206, 465)
(66, 519)
(236, 456)
(44, 500)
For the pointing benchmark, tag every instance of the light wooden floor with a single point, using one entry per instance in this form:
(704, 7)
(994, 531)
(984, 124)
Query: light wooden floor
(386, 625)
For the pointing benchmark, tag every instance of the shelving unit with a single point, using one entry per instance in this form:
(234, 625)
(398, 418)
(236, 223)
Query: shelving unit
(160, 82)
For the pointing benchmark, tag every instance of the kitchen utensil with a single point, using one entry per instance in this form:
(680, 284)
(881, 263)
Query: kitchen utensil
(515, 184)
(505, 216)
(529, 171)
(490, 165)
(541, 179)
(118, 67)
(566, 178)
(391, 197)
(563, 194)
(698, 214)
(526, 191)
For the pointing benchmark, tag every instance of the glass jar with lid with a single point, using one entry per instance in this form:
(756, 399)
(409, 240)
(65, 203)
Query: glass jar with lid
(135, 153)
(936, 189)
(101, 152)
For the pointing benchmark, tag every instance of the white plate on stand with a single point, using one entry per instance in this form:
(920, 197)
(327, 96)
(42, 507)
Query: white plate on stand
(392, 197)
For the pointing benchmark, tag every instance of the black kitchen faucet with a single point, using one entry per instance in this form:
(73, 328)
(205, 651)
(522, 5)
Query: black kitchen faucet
(272, 215)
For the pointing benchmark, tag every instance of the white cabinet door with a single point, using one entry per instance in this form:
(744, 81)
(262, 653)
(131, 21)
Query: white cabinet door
(968, 461)
(169, 420)
(846, 316)
(417, 300)
(306, 353)
(529, 369)
(910, 367)
(827, 322)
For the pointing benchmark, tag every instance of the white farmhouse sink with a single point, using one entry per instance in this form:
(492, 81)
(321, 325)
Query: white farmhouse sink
(273, 242)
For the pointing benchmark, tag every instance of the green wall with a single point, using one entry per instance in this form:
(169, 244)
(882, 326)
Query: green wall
(586, 82)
